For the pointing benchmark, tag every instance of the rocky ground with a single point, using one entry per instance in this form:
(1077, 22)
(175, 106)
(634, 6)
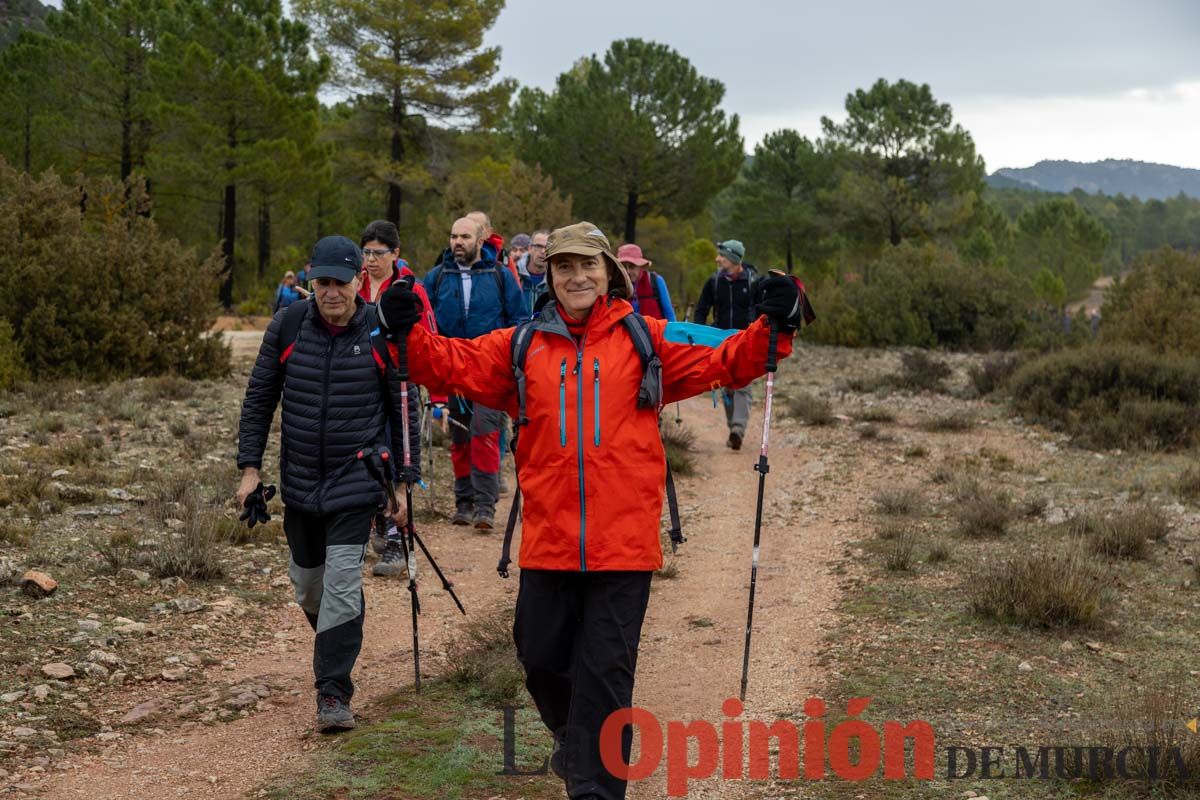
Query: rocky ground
(127, 679)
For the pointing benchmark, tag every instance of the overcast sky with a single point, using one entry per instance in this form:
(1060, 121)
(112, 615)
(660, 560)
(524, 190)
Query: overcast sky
(1030, 80)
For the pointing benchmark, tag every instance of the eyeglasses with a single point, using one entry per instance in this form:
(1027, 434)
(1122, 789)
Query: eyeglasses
(537, 247)
(369, 252)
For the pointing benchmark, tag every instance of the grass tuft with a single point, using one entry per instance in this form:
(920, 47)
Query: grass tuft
(1062, 588)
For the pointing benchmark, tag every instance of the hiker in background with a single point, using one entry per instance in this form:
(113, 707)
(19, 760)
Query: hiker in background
(533, 271)
(591, 468)
(288, 292)
(518, 250)
(493, 237)
(473, 295)
(382, 264)
(729, 295)
(327, 361)
(650, 295)
(380, 242)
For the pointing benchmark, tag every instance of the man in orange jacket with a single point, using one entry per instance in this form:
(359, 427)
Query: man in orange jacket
(587, 552)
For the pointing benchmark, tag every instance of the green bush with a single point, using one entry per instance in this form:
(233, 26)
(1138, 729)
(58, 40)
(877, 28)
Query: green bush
(922, 296)
(1113, 396)
(12, 365)
(137, 303)
(1157, 306)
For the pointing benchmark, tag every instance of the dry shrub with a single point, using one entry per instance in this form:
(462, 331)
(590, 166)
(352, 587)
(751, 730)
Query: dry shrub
(1150, 716)
(981, 511)
(119, 550)
(1061, 588)
(898, 553)
(483, 658)
(680, 444)
(168, 387)
(1125, 534)
(1187, 484)
(876, 414)
(14, 532)
(920, 371)
(939, 552)
(994, 372)
(192, 549)
(899, 501)
(916, 451)
(890, 530)
(1034, 506)
(955, 422)
(810, 409)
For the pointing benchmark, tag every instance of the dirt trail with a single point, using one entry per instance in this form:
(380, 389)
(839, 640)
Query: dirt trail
(690, 659)
(226, 761)
(691, 656)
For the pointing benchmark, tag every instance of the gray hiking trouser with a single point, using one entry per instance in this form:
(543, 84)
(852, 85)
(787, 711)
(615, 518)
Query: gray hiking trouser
(326, 573)
(737, 408)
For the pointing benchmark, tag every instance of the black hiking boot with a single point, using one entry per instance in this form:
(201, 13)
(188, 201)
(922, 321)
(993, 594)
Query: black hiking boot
(462, 514)
(333, 714)
(484, 520)
(392, 562)
(735, 441)
(558, 758)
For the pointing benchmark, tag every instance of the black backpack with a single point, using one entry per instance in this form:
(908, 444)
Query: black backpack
(649, 396)
(293, 319)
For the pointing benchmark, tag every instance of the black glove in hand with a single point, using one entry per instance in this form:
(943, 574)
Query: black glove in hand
(256, 506)
(779, 299)
(400, 309)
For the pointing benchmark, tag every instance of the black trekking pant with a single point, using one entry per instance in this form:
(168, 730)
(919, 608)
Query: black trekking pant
(326, 573)
(577, 637)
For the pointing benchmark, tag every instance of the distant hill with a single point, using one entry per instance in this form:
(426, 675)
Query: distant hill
(1140, 178)
(17, 15)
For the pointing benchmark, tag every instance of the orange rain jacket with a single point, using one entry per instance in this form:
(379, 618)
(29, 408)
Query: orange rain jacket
(590, 463)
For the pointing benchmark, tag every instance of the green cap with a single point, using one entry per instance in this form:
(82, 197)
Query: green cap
(732, 249)
(585, 239)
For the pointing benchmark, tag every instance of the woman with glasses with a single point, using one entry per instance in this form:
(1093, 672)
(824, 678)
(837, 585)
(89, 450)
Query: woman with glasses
(382, 266)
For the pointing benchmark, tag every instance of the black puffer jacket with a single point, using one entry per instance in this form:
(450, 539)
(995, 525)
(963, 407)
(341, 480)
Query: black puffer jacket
(731, 302)
(334, 404)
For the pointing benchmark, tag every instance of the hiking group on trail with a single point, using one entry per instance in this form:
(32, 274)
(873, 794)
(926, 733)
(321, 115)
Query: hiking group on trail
(552, 338)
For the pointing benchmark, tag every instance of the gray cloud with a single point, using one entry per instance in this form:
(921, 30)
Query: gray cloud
(774, 56)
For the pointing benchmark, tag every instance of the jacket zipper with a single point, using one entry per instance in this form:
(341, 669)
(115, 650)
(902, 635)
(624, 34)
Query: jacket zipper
(562, 404)
(324, 414)
(596, 399)
(579, 437)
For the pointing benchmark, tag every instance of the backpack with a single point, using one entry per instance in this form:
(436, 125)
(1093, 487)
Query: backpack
(437, 282)
(655, 292)
(751, 271)
(293, 318)
(650, 394)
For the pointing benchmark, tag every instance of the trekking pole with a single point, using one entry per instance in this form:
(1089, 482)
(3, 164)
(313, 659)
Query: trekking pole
(415, 541)
(763, 468)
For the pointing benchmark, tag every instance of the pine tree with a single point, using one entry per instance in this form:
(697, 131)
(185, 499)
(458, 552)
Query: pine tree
(239, 109)
(408, 62)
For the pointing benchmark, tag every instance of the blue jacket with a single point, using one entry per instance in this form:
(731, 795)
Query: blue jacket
(496, 299)
(285, 297)
(533, 287)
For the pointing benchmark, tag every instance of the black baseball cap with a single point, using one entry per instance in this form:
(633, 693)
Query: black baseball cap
(335, 257)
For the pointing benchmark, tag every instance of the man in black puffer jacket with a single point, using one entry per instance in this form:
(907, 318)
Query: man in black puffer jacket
(729, 295)
(341, 395)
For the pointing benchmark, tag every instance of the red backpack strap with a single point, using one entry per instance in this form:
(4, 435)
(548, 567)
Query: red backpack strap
(289, 328)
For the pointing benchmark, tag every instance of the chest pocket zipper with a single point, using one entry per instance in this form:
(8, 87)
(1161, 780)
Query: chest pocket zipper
(596, 400)
(562, 404)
